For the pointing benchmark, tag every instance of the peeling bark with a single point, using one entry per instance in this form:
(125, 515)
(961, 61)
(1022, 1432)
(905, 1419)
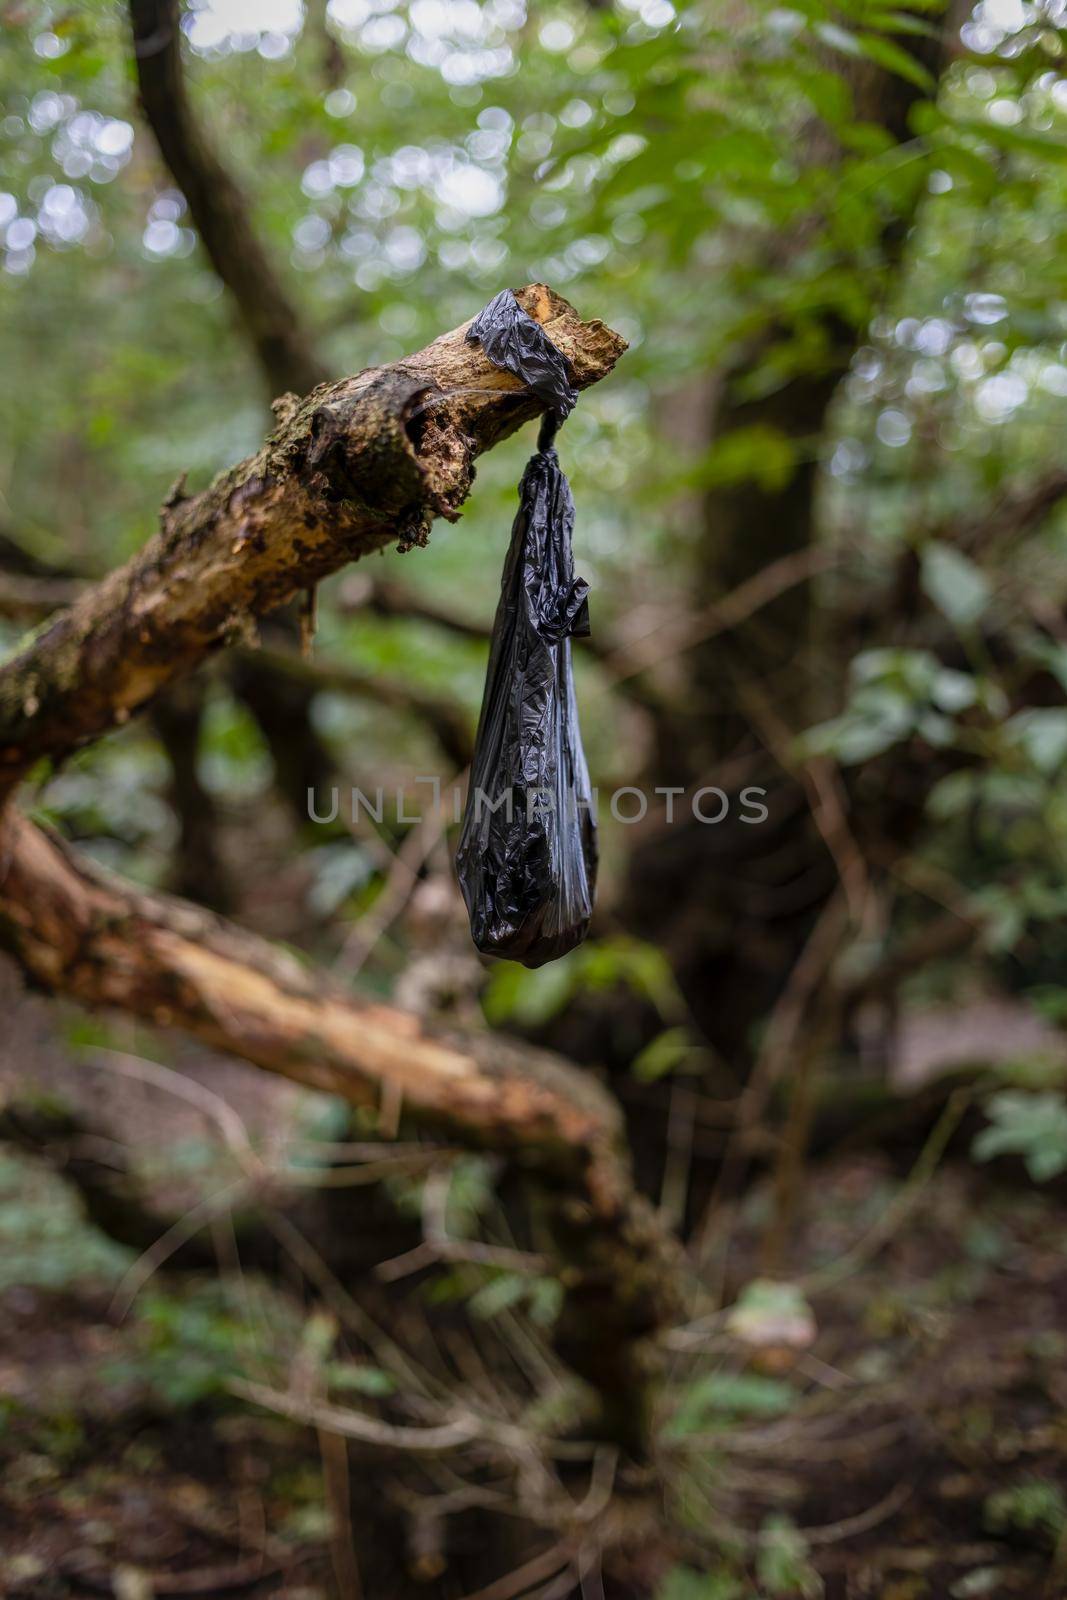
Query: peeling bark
(350, 468)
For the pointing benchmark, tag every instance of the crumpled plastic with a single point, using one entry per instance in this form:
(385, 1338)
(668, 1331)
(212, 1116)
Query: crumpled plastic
(527, 856)
(518, 344)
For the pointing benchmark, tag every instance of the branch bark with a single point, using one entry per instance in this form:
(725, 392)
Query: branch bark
(357, 464)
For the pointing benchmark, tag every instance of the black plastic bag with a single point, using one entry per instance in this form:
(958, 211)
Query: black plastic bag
(517, 343)
(527, 852)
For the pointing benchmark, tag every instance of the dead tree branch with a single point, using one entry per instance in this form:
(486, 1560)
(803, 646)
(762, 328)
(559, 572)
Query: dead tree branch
(357, 464)
(79, 932)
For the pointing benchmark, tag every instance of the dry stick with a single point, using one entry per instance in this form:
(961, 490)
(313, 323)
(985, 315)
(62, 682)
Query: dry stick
(789, 1163)
(82, 932)
(27, 598)
(236, 1137)
(897, 1213)
(445, 719)
(877, 1237)
(863, 1521)
(333, 1452)
(822, 782)
(364, 591)
(545, 1565)
(228, 1257)
(348, 1310)
(622, 660)
(782, 1030)
(721, 615)
(674, 1187)
(400, 883)
(439, 1245)
(217, 1110)
(354, 1425)
(209, 1581)
(368, 1150)
(378, 1161)
(356, 1177)
(561, 1588)
(807, 1450)
(179, 1233)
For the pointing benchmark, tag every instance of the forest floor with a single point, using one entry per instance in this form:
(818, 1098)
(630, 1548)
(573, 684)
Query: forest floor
(934, 1466)
(926, 1458)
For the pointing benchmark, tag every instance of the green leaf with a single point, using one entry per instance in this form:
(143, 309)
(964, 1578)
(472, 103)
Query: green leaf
(1042, 733)
(502, 1292)
(838, 38)
(782, 1565)
(1032, 1506)
(362, 1380)
(545, 1296)
(1016, 140)
(953, 691)
(900, 22)
(1033, 1126)
(770, 1312)
(956, 586)
(685, 1583)
(515, 994)
(665, 1053)
(896, 60)
(721, 1397)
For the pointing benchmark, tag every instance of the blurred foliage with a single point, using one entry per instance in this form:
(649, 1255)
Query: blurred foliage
(42, 1241)
(1033, 1126)
(719, 1398)
(1034, 1507)
(525, 998)
(403, 162)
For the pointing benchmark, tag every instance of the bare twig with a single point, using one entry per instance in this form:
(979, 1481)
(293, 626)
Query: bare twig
(721, 615)
(348, 1424)
(439, 1245)
(542, 1566)
(904, 1203)
(400, 884)
(204, 1212)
